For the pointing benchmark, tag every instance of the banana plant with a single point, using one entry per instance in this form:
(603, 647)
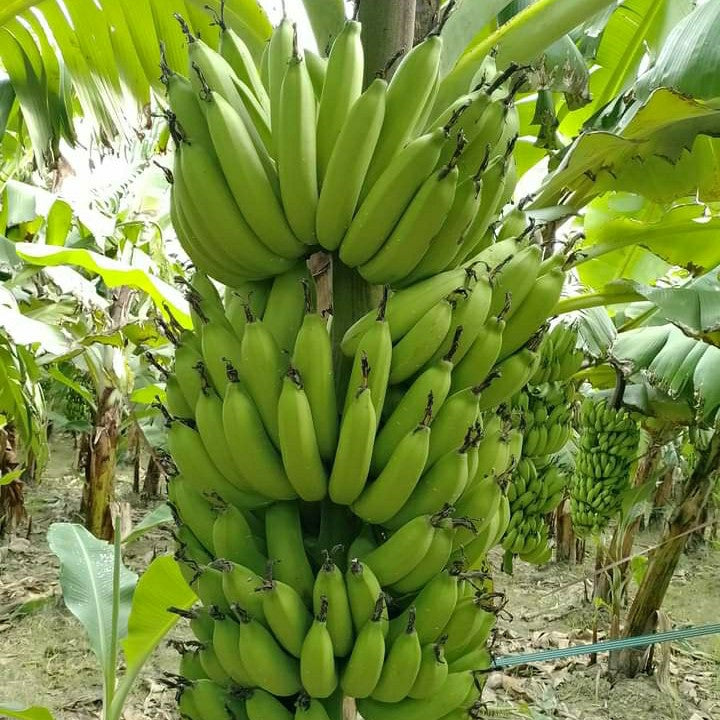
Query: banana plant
(120, 613)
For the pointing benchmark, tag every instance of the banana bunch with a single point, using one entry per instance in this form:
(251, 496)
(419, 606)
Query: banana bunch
(561, 358)
(545, 412)
(273, 164)
(607, 450)
(334, 513)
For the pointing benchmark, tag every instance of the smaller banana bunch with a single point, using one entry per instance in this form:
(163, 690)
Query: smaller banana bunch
(546, 412)
(274, 163)
(561, 358)
(532, 493)
(607, 450)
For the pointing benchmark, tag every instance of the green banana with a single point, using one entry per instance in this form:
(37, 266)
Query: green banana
(238, 56)
(298, 442)
(432, 673)
(285, 613)
(432, 562)
(410, 239)
(239, 585)
(330, 584)
(284, 536)
(354, 450)
(533, 312)
(421, 343)
(261, 370)
(279, 54)
(296, 149)
(247, 178)
(317, 661)
(226, 635)
(364, 666)
(386, 202)
(452, 693)
(191, 457)
(346, 168)
(269, 666)
(402, 551)
(194, 509)
(513, 374)
(234, 540)
(363, 591)
(256, 453)
(387, 494)
(261, 705)
(408, 91)
(313, 359)
(340, 91)
(284, 309)
(375, 350)
(401, 666)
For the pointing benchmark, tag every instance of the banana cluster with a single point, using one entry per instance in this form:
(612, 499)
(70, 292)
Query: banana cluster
(561, 357)
(334, 513)
(275, 163)
(402, 471)
(607, 450)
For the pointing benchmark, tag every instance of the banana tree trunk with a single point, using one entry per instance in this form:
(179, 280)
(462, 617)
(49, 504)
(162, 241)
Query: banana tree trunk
(153, 475)
(388, 28)
(623, 537)
(12, 500)
(100, 465)
(643, 614)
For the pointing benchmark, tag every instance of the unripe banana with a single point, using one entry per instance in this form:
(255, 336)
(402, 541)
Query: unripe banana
(355, 444)
(308, 708)
(193, 509)
(402, 551)
(247, 178)
(279, 53)
(256, 453)
(238, 56)
(226, 635)
(219, 346)
(285, 305)
(375, 350)
(401, 666)
(348, 164)
(270, 667)
(285, 613)
(313, 359)
(513, 374)
(516, 278)
(261, 705)
(208, 695)
(363, 591)
(452, 693)
(385, 204)
(330, 584)
(432, 562)
(341, 89)
(187, 374)
(434, 605)
(409, 90)
(317, 661)
(364, 666)
(410, 239)
(387, 494)
(421, 343)
(298, 443)
(296, 149)
(239, 585)
(432, 673)
(233, 540)
(284, 536)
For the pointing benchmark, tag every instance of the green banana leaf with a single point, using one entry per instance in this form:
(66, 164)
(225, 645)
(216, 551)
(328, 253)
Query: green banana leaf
(689, 60)
(97, 588)
(663, 125)
(631, 30)
(106, 51)
(114, 274)
(161, 586)
(13, 710)
(160, 516)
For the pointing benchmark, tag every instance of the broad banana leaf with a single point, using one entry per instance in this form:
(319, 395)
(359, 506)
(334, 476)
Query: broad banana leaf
(108, 52)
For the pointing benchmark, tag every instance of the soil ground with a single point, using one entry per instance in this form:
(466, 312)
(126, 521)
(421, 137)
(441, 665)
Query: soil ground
(45, 659)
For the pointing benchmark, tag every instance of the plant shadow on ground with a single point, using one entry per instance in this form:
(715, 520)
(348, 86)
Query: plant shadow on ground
(45, 659)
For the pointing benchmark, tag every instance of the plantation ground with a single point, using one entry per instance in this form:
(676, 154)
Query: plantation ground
(45, 660)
